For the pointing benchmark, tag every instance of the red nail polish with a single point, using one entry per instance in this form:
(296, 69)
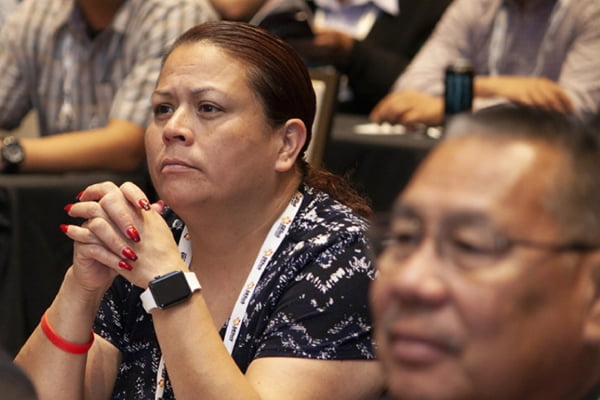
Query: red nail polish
(79, 195)
(68, 207)
(133, 234)
(128, 253)
(125, 265)
(64, 228)
(143, 203)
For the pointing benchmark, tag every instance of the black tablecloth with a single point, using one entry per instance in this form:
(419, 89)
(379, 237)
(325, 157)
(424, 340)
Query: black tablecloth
(379, 165)
(34, 253)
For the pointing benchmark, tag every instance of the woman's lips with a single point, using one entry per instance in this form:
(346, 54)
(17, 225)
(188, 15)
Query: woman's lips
(175, 165)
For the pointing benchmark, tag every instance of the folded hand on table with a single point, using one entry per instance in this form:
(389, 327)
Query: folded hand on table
(409, 107)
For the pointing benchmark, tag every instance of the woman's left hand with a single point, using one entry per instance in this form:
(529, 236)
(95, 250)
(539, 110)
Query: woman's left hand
(130, 235)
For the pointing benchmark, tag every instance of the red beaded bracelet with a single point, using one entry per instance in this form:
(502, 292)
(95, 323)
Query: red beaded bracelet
(61, 342)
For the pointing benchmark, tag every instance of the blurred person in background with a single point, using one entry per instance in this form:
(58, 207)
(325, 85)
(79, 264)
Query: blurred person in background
(7, 7)
(489, 279)
(236, 10)
(87, 68)
(370, 43)
(540, 52)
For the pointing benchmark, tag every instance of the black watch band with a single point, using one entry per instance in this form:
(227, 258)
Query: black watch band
(169, 289)
(12, 153)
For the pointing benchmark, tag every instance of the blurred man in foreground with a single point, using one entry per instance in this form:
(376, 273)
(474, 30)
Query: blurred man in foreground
(489, 284)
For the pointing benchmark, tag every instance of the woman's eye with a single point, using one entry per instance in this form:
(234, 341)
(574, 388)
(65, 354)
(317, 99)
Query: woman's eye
(208, 108)
(162, 109)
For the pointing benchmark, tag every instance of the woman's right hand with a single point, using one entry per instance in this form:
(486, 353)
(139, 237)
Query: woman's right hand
(88, 272)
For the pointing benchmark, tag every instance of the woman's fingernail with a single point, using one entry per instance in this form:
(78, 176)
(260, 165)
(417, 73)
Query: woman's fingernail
(64, 228)
(125, 265)
(68, 207)
(133, 234)
(143, 203)
(128, 253)
(79, 195)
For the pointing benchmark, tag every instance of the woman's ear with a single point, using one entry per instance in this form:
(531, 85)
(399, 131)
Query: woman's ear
(294, 137)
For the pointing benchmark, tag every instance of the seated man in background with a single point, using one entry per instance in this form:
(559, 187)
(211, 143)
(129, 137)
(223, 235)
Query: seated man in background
(489, 283)
(87, 68)
(539, 52)
(369, 42)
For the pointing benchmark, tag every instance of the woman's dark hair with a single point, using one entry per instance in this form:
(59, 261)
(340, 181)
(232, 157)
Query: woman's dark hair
(282, 82)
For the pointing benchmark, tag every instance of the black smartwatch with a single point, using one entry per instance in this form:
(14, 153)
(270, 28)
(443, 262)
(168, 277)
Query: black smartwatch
(169, 289)
(13, 154)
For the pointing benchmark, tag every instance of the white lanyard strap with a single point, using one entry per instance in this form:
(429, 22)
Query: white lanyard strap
(272, 242)
(500, 28)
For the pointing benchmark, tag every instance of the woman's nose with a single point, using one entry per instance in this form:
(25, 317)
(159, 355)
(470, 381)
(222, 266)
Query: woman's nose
(179, 127)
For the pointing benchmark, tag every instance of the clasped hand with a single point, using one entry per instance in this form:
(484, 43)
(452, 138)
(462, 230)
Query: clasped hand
(122, 234)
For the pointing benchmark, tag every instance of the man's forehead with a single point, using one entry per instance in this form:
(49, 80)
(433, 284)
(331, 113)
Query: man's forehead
(481, 175)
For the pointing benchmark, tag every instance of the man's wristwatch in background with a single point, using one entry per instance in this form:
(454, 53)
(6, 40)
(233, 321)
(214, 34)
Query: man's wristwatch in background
(169, 289)
(12, 154)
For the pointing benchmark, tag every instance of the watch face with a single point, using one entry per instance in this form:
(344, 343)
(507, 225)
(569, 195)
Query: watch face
(170, 289)
(13, 153)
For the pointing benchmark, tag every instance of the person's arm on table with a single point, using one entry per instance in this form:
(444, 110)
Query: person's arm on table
(119, 146)
(372, 69)
(416, 96)
(409, 107)
(534, 91)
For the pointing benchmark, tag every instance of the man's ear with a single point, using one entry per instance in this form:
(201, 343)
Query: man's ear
(294, 136)
(592, 325)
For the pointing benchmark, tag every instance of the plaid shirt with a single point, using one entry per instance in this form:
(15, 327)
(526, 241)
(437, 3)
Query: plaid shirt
(50, 62)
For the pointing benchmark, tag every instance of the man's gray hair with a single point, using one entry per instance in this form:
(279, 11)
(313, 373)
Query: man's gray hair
(575, 199)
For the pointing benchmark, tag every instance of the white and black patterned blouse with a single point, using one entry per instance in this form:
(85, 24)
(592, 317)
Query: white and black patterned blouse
(311, 301)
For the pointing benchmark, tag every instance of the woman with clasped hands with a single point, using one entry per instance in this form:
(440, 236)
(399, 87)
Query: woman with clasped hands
(282, 308)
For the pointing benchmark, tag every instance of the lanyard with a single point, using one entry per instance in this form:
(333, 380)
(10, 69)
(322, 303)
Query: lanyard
(499, 30)
(269, 247)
